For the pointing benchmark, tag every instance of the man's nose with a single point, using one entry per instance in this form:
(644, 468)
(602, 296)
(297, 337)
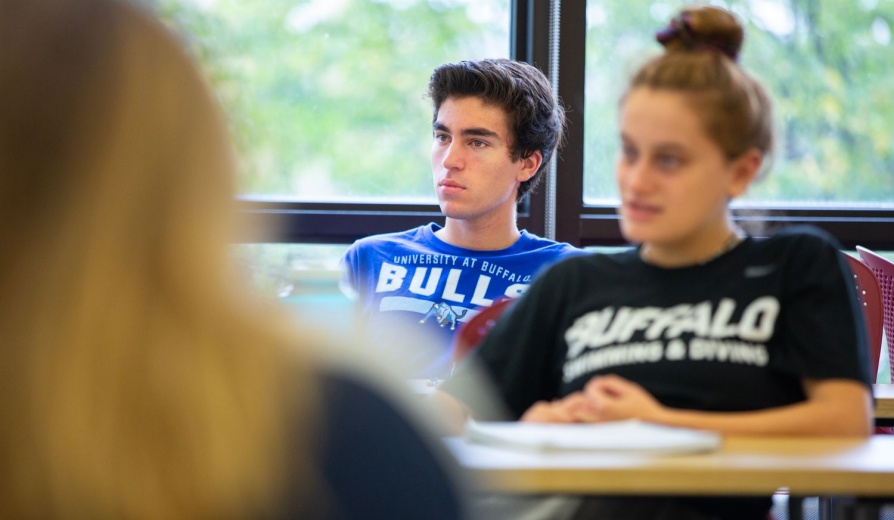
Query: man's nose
(453, 156)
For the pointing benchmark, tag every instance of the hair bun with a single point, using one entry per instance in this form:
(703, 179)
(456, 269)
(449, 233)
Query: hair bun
(703, 28)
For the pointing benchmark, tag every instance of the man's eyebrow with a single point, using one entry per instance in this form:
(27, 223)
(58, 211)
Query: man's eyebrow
(474, 132)
(479, 132)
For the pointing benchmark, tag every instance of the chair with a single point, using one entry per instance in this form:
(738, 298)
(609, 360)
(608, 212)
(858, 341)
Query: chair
(871, 300)
(884, 317)
(470, 334)
(884, 273)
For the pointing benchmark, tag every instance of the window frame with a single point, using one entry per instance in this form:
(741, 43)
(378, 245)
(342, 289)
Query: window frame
(575, 222)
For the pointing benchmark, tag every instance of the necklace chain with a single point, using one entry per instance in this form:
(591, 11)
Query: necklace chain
(731, 241)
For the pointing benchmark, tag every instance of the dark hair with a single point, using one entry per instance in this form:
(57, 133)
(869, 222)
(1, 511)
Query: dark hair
(533, 114)
(701, 48)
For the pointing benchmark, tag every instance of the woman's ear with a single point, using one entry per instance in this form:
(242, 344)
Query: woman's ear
(744, 170)
(529, 166)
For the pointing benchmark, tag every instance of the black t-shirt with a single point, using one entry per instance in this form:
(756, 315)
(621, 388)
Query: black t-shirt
(737, 333)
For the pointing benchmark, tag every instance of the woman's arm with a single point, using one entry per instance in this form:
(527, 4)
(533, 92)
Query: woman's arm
(453, 411)
(834, 407)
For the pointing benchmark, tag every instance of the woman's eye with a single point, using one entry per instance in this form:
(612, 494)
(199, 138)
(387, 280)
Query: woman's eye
(668, 162)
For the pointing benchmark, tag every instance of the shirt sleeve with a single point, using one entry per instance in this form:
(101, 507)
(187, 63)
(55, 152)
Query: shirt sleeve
(823, 329)
(348, 280)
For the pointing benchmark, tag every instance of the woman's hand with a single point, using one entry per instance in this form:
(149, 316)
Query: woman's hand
(613, 398)
(834, 407)
(573, 408)
(604, 398)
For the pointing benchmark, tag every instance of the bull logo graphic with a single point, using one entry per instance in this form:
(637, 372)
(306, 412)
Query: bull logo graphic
(444, 314)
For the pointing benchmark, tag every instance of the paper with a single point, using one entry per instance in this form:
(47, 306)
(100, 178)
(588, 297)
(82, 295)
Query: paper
(626, 436)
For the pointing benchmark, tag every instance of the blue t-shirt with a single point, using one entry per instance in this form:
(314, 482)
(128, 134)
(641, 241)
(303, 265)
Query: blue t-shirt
(414, 290)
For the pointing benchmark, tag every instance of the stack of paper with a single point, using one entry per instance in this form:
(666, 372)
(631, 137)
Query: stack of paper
(630, 436)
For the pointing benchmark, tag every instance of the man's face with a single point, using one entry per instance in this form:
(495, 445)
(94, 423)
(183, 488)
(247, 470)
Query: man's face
(474, 175)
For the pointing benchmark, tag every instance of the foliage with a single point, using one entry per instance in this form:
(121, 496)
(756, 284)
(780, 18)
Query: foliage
(827, 64)
(326, 97)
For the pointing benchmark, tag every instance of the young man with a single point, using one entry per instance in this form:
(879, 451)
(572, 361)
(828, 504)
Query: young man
(495, 126)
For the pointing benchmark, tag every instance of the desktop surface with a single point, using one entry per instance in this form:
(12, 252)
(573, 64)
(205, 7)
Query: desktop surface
(742, 466)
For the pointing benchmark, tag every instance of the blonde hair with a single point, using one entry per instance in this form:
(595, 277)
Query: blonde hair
(137, 379)
(702, 45)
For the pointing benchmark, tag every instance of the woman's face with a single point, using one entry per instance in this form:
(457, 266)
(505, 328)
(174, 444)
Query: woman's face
(674, 181)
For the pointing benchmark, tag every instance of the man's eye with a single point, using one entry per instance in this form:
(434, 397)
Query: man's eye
(629, 154)
(478, 144)
(441, 138)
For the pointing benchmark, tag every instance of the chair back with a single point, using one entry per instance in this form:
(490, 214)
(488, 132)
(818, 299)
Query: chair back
(871, 301)
(471, 332)
(884, 273)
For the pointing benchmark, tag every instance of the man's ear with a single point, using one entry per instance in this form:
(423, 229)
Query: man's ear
(529, 166)
(743, 171)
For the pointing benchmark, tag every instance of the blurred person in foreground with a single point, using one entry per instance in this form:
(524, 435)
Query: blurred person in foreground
(495, 126)
(138, 376)
(699, 325)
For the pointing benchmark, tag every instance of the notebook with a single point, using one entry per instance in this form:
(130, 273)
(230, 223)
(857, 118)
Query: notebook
(619, 436)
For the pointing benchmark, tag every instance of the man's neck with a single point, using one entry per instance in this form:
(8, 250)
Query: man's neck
(482, 236)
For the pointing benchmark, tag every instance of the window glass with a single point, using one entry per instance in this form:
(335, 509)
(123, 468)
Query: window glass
(326, 97)
(289, 271)
(303, 278)
(827, 66)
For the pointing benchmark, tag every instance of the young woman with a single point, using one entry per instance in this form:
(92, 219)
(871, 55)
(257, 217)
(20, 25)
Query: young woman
(700, 325)
(138, 377)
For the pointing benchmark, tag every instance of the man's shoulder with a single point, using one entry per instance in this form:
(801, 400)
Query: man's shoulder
(411, 235)
(371, 251)
(417, 239)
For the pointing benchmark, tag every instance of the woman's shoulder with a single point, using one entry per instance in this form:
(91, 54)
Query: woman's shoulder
(799, 241)
(798, 251)
(608, 260)
(805, 234)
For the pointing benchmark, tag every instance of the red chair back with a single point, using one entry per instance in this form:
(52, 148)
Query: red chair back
(470, 334)
(884, 274)
(871, 300)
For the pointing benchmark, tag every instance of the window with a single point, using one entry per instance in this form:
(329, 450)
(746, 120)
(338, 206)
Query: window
(823, 62)
(326, 97)
(826, 65)
(326, 101)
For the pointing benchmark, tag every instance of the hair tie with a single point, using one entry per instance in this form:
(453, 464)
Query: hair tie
(681, 27)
